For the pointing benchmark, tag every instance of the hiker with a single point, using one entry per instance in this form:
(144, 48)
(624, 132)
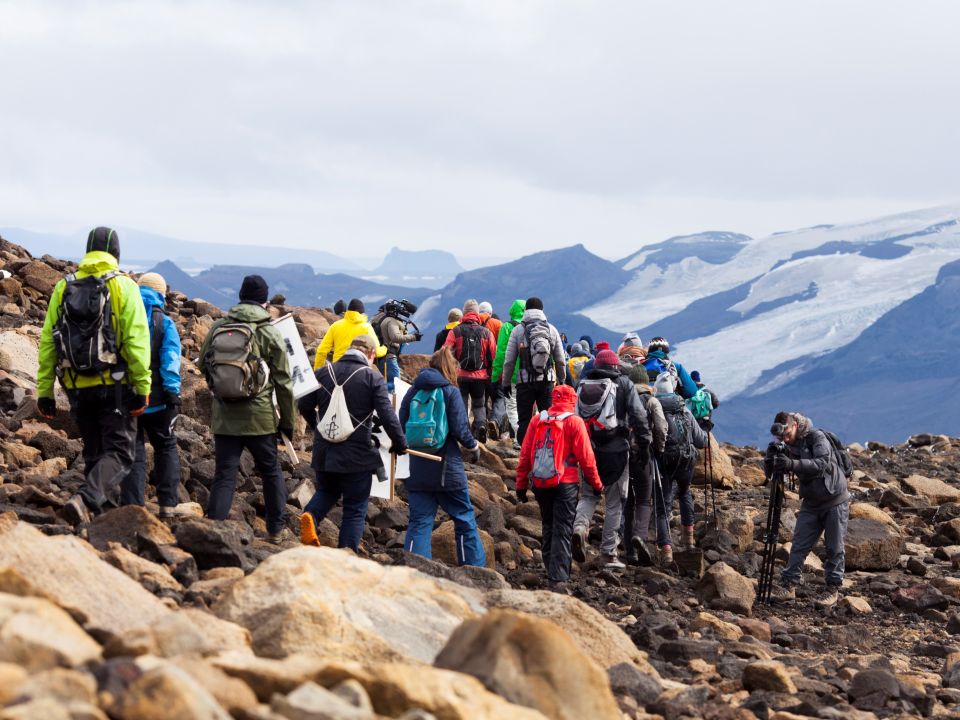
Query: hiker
(658, 361)
(492, 323)
(611, 409)
(676, 465)
(556, 449)
(631, 351)
(824, 507)
(599, 347)
(578, 358)
(393, 335)
(536, 343)
(505, 406)
(474, 348)
(338, 337)
(640, 496)
(157, 421)
(245, 362)
(345, 454)
(339, 307)
(434, 417)
(454, 316)
(703, 403)
(586, 342)
(488, 319)
(95, 339)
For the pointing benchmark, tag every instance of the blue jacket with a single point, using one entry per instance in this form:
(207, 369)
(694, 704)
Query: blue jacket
(427, 475)
(687, 387)
(168, 377)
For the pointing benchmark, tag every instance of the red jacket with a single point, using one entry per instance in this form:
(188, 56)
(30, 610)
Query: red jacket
(576, 441)
(488, 347)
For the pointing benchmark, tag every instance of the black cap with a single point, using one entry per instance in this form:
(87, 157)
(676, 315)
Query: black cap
(356, 305)
(254, 290)
(104, 239)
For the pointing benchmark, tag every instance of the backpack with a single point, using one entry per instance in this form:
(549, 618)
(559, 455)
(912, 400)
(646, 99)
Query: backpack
(549, 451)
(156, 343)
(701, 404)
(375, 322)
(336, 425)
(575, 365)
(597, 403)
(427, 425)
(679, 449)
(840, 454)
(655, 366)
(235, 371)
(84, 337)
(538, 346)
(471, 346)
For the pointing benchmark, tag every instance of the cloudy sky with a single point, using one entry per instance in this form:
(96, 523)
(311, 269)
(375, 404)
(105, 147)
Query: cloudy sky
(488, 126)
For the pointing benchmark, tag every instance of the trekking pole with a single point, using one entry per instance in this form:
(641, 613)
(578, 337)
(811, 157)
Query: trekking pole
(663, 501)
(713, 489)
(770, 537)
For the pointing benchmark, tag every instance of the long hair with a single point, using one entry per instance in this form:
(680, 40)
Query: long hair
(444, 362)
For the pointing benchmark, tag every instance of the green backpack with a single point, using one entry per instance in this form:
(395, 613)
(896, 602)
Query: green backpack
(234, 370)
(427, 425)
(700, 405)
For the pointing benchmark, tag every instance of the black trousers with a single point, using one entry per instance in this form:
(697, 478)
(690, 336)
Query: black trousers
(474, 392)
(158, 428)
(530, 394)
(108, 433)
(228, 449)
(558, 507)
(639, 507)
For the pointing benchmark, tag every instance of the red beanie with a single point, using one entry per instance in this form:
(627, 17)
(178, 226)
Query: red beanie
(602, 345)
(607, 357)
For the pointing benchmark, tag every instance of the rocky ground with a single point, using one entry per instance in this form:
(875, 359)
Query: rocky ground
(131, 617)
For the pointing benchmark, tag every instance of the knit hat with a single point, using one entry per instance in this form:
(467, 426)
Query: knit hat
(454, 315)
(153, 280)
(253, 289)
(602, 345)
(471, 306)
(631, 339)
(659, 343)
(356, 305)
(666, 383)
(607, 357)
(104, 239)
(485, 307)
(340, 307)
(534, 303)
(576, 349)
(695, 376)
(638, 375)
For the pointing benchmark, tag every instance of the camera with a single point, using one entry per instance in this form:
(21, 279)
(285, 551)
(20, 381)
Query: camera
(778, 429)
(400, 308)
(776, 448)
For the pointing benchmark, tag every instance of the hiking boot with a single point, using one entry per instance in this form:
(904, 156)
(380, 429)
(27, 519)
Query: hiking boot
(686, 537)
(783, 594)
(480, 433)
(828, 597)
(666, 556)
(75, 511)
(493, 430)
(169, 512)
(640, 550)
(610, 562)
(516, 446)
(280, 537)
(308, 530)
(559, 586)
(578, 545)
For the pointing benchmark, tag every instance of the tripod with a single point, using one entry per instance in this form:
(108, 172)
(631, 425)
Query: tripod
(770, 536)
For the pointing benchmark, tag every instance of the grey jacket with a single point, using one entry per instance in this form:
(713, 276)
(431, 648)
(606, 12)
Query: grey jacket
(556, 371)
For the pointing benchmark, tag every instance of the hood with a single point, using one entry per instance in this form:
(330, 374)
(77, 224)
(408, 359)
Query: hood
(484, 317)
(151, 298)
(602, 373)
(665, 384)
(804, 425)
(533, 315)
(428, 379)
(588, 340)
(517, 309)
(564, 400)
(245, 312)
(471, 318)
(97, 262)
(354, 317)
(643, 388)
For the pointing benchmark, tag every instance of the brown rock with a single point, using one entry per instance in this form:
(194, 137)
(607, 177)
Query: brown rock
(168, 692)
(40, 276)
(724, 475)
(12, 676)
(768, 675)
(874, 541)
(38, 635)
(724, 588)
(123, 525)
(934, 491)
(234, 695)
(704, 621)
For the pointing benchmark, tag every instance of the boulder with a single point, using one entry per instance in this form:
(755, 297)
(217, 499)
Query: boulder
(313, 702)
(705, 622)
(531, 662)
(444, 544)
(626, 679)
(124, 525)
(266, 676)
(40, 276)
(723, 588)
(330, 603)
(63, 685)
(768, 675)
(168, 692)
(216, 543)
(189, 632)
(933, 490)
(234, 695)
(724, 475)
(12, 676)
(37, 635)
(155, 578)
(874, 541)
(918, 598)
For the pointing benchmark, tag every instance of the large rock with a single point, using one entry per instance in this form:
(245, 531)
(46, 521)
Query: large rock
(333, 604)
(444, 543)
(216, 543)
(723, 588)
(769, 675)
(38, 635)
(313, 702)
(168, 692)
(124, 525)
(933, 490)
(874, 542)
(189, 632)
(599, 638)
(724, 475)
(18, 355)
(530, 662)
(40, 276)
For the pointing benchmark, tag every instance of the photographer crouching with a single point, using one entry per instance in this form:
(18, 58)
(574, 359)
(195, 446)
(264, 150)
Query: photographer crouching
(806, 452)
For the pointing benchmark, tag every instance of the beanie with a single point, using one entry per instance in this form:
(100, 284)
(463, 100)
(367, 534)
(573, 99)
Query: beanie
(253, 289)
(485, 307)
(104, 239)
(356, 305)
(659, 343)
(454, 315)
(534, 303)
(695, 376)
(471, 306)
(153, 280)
(602, 345)
(339, 307)
(576, 349)
(607, 357)
(638, 375)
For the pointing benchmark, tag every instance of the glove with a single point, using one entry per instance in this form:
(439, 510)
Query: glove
(140, 403)
(706, 424)
(472, 454)
(597, 492)
(522, 495)
(47, 407)
(285, 432)
(398, 449)
(171, 399)
(418, 336)
(781, 463)
(507, 390)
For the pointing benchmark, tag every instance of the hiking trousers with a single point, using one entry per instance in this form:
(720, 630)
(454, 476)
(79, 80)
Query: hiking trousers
(675, 483)
(474, 391)
(832, 522)
(639, 500)
(227, 451)
(614, 498)
(558, 507)
(505, 410)
(158, 427)
(529, 394)
(423, 511)
(354, 488)
(108, 434)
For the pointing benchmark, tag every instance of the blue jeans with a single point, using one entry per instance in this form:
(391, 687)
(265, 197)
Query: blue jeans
(393, 371)
(832, 522)
(355, 490)
(456, 503)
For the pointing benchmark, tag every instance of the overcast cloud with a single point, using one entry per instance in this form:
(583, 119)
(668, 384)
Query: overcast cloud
(489, 126)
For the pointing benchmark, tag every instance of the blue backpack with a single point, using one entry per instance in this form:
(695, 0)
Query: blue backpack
(427, 425)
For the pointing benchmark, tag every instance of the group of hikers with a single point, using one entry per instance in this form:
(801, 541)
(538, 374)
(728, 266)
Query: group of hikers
(591, 423)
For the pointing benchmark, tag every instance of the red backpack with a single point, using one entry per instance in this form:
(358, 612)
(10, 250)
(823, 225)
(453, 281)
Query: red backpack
(549, 451)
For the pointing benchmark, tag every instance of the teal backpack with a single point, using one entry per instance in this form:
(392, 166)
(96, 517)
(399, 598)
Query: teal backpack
(700, 405)
(427, 425)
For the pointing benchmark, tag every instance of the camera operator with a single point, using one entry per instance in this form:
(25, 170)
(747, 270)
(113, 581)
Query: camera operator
(393, 334)
(825, 503)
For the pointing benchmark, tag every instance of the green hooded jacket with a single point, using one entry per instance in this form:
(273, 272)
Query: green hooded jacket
(129, 324)
(516, 315)
(257, 415)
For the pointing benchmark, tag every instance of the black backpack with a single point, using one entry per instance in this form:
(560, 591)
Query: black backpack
(471, 346)
(840, 453)
(376, 322)
(84, 337)
(679, 450)
(156, 343)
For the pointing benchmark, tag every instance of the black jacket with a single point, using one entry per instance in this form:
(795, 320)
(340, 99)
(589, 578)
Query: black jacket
(365, 394)
(815, 469)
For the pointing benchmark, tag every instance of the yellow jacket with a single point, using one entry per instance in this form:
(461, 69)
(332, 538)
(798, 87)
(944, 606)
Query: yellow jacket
(341, 334)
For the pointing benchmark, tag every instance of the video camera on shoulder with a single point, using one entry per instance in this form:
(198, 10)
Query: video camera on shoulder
(400, 308)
